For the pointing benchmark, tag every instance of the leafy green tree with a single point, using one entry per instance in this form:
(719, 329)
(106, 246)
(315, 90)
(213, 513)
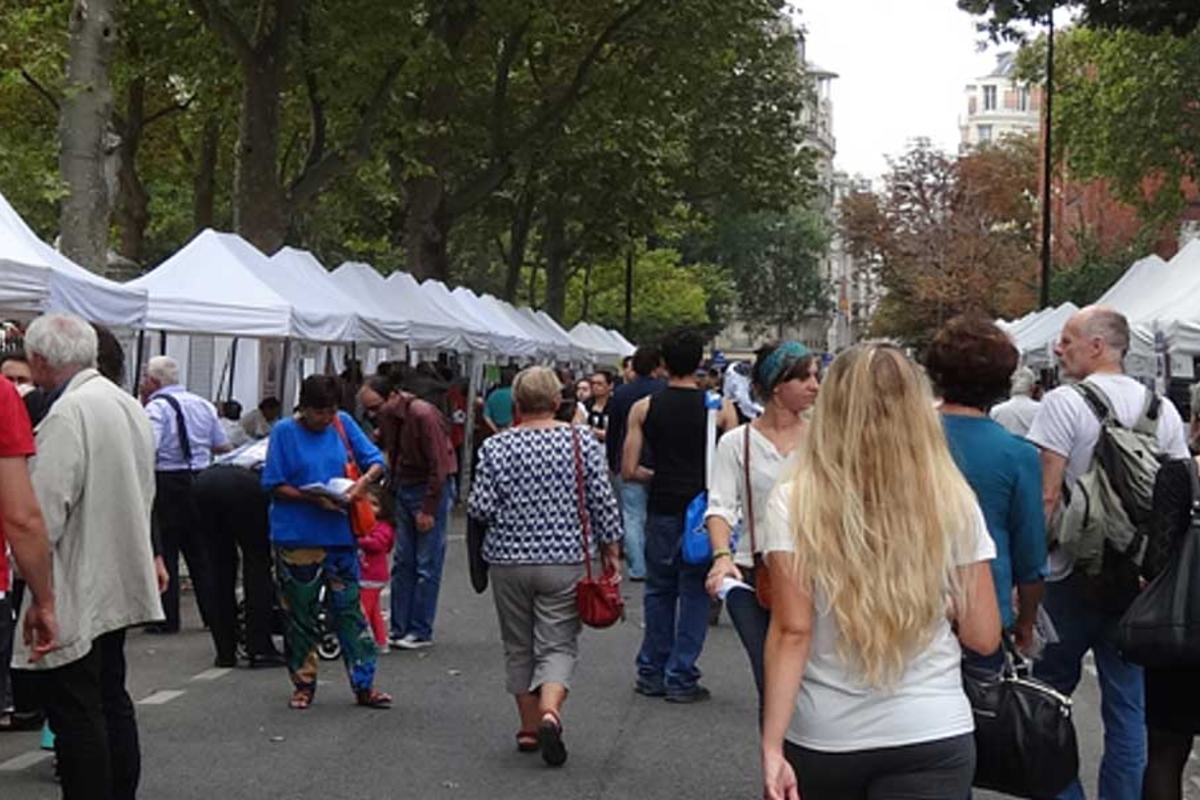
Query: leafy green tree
(1004, 18)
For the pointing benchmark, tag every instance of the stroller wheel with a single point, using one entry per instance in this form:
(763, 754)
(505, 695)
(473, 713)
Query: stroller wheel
(329, 649)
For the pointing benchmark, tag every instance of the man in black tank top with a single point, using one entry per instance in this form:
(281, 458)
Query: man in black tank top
(669, 429)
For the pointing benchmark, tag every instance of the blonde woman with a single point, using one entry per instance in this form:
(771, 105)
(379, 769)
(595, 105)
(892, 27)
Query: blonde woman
(878, 553)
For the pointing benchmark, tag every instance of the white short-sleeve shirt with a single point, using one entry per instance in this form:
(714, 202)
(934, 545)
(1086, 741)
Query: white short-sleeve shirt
(1065, 424)
(838, 712)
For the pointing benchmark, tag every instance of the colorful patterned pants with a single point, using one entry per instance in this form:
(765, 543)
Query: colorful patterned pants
(303, 573)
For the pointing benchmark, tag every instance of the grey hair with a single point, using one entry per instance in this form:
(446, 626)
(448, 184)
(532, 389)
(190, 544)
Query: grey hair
(163, 369)
(1023, 380)
(1194, 396)
(63, 340)
(1108, 324)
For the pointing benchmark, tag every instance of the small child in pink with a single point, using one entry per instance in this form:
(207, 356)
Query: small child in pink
(374, 552)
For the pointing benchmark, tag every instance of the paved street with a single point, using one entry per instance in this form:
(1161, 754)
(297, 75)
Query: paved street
(218, 733)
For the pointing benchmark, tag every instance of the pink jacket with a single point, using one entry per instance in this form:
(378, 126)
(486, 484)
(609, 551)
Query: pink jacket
(373, 552)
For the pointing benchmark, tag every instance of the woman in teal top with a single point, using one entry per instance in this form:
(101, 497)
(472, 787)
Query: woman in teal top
(971, 362)
(314, 546)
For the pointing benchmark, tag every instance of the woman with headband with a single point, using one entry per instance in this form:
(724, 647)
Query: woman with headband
(749, 461)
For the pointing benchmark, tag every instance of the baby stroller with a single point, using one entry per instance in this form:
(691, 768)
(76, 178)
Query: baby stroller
(328, 649)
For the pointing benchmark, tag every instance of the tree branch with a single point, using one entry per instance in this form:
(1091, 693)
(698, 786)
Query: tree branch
(167, 111)
(45, 93)
(316, 108)
(336, 163)
(508, 53)
(560, 107)
(222, 23)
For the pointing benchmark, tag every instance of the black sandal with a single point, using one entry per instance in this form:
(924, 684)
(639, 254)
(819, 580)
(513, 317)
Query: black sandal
(527, 741)
(302, 697)
(373, 698)
(554, 752)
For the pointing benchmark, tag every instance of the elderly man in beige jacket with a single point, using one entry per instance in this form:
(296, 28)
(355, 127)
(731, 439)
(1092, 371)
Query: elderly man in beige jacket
(94, 478)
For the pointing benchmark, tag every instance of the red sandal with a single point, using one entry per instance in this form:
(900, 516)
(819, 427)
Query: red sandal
(527, 741)
(373, 698)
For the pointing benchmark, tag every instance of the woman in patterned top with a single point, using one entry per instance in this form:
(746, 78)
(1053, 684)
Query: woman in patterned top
(525, 490)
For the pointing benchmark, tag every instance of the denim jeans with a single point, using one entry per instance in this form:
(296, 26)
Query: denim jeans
(676, 611)
(633, 515)
(417, 562)
(1082, 627)
(751, 622)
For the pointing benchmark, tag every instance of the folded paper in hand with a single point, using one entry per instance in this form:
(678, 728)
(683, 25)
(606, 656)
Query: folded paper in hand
(729, 584)
(334, 488)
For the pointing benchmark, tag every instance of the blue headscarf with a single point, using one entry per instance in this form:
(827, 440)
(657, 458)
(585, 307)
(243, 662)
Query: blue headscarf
(777, 364)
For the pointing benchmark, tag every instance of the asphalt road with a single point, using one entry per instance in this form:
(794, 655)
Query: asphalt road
(210, 733)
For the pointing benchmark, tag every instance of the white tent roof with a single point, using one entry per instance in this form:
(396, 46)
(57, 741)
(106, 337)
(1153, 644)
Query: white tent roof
(321, 312)
(1165, 297)
(208, 287)
(487, 310)
(1137, 281)
(460, 308)
(36, 278)
(569, 349)
(426, 315)
(1178, 315)
(1034, 338)
(596, 339)
(629, 347)
(545, 344)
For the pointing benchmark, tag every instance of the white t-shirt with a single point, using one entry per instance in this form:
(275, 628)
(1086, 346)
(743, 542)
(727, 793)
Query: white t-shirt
(727, 495)
(836, 711)
(1066, 425)
(1016, 414)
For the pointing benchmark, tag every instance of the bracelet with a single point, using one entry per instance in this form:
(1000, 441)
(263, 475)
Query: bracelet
(723, 552)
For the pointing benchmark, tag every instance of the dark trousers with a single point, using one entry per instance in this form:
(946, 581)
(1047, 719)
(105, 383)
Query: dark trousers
(176, 516)
(7, 626)
(937, 770)
(751, 622)
(95, 728)
(232, 522)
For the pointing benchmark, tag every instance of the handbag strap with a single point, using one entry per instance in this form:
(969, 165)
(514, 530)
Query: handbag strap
(748, 509)
(351, 460)
(585, 519)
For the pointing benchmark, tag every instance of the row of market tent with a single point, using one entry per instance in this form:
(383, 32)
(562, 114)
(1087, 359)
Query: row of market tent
(219, 285)
(1161, 300)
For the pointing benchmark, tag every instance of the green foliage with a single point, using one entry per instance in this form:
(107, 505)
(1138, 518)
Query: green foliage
(1007, 19)
(1096, 269)
(775, 260)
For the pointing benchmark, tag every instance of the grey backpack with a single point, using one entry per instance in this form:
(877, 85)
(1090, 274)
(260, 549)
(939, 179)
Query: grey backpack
(1106, 513)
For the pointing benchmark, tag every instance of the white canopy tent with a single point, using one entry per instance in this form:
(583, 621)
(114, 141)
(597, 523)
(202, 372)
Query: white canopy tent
(321, 307)
(545, 345)
(34, 278)
(597, 340)
(628, 347)
(208, 287)
(459, 307)
(566, 348)
(487, 311)
(412, 304)
(1036, 341)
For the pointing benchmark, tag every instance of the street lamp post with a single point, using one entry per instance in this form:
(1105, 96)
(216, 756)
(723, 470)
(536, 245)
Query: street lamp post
(1047, 162)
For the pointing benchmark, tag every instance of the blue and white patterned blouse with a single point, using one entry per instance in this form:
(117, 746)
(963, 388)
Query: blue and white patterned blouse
(525, 490)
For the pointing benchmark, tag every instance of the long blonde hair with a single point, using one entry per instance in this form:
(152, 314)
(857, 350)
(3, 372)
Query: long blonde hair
(881, 511)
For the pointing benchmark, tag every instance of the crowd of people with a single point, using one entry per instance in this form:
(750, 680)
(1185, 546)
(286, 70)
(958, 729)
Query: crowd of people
(876, 528)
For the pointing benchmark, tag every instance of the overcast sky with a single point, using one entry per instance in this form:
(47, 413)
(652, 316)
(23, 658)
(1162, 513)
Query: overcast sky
(902, 67)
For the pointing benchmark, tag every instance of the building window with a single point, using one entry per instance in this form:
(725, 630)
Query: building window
(1023, 98)
(989, 98)
(985, 134)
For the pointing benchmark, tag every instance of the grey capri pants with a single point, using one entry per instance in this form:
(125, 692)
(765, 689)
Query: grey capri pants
(539, 625)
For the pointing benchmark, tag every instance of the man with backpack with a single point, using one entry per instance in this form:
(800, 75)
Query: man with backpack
(1101, 440)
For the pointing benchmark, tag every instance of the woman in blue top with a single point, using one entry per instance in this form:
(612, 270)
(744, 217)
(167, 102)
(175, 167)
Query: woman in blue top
(971, 362)
(314, 545)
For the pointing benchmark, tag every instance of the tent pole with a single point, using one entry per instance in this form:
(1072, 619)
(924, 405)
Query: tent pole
(162, 343)
(475, 373)
(283, 371)
(139, 354)
(233, 348)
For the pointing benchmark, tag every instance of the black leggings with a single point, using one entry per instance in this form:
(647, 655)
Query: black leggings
(937, 770)
(1167, 755)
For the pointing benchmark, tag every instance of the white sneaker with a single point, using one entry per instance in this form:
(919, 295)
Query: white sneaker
(383, 648)
(411, 642)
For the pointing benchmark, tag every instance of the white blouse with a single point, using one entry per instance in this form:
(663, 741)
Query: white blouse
(726, 496)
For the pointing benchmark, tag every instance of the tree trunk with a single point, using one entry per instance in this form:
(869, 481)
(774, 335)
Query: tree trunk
(83, 130)
(204, 181)
(131, 211)
(259, 212)
(556, 260)
(426, 225)
(518, 242)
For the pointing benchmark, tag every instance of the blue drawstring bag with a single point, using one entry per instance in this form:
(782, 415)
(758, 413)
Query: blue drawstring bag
(695, 547)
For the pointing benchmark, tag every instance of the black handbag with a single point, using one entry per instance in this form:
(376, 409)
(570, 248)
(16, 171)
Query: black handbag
(476, 532)
(1024, 736)
(1162, 626)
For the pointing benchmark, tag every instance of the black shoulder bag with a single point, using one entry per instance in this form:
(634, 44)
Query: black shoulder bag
(1162, 626)
(1024, 736)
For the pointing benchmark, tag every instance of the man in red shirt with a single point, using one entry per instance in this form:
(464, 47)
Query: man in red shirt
(421, 461)
(21, 524)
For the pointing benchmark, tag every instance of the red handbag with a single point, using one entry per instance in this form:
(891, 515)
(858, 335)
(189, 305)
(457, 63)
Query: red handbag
(598, 600)
(362, 515)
